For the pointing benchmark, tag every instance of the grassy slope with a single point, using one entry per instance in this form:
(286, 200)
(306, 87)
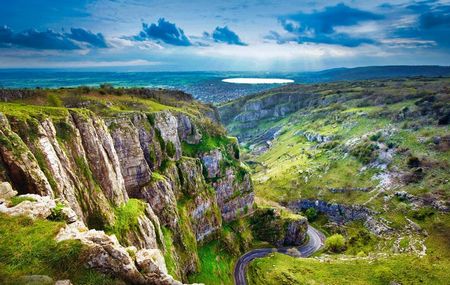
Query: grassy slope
(295, 168)
(28, 247)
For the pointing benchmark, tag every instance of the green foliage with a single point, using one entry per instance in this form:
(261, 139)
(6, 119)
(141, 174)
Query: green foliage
(157, 176)
(168, 253)
(365, 152)
(207, 143)
(375, 137)
(57, 214)
(265, 225)
(64, 131)
(402, 269)
(16, 200)
(170, 149)
(127, 219)
(422, 213)
(311, 214)
(28, 247)
(54, 100)
(335, 243)
(216, 265)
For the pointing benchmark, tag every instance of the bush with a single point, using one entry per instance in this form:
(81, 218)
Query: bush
(423, 213)
(365, 152)
(311, 214)
(335, 243)
(54, 100)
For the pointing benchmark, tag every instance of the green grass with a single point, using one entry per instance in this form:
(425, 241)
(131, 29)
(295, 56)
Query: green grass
(16, 200)
(127, 217)
(216, 265)
(404, 269)
(28, 247)
(207, 143)
(169, 251)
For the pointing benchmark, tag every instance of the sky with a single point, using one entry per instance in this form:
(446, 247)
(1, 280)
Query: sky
(196, 35)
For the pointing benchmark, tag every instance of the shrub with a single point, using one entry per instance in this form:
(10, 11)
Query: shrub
(365, 152)
(54, 100)
(423, 213)
(335, 243)
(311, 214)
(413, 162)
(375, 137)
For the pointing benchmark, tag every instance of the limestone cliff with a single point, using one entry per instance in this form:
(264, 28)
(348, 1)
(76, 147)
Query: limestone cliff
(184, 171)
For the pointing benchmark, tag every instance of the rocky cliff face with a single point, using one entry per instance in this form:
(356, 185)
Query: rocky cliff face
(94, 164)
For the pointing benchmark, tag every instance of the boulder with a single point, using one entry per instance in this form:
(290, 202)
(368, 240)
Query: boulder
(6, 191)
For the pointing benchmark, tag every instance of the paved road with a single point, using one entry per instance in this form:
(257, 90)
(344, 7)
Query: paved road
(314, 243)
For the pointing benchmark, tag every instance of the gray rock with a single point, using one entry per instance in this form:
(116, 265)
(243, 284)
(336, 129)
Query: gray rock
(6, 191)
(211, 161)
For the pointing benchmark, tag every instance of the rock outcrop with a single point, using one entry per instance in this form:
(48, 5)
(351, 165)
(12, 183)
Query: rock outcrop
(341, 214)
(104, 253)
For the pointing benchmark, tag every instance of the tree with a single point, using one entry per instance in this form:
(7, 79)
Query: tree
(311, 214)
(335, 243)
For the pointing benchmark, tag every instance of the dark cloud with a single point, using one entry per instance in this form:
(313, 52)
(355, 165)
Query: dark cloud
(433, 23)
(225, 35)
(36, 39)
(51, 40)
(319, 26)
(164, 31)
(82, 35)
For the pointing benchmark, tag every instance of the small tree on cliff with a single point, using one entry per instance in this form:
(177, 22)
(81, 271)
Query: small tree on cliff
(335, 243)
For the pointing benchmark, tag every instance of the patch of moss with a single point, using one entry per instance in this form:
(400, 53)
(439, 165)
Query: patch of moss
(16, 200)
(127, 219)
(168, 253)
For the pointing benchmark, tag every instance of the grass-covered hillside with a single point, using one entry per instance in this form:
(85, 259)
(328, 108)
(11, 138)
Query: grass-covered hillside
(380, 145)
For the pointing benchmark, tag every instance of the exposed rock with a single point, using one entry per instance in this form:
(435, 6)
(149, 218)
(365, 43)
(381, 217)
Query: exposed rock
(203, 210)
(6, 191)
(22, 167)
(295, 232)
(279, 227)
(149, 142)
(147, 234)
(65, 179)
(36, 207)
(187, 131)
(314, 137)
(102, 156)
(104, 253)
(134, 167)
(167, 124)
(211, 161)
(160, 195)
(150, 260)
(341, 214)
(234, 196)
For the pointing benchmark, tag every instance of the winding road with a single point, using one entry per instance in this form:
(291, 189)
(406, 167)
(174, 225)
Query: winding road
(315, 242)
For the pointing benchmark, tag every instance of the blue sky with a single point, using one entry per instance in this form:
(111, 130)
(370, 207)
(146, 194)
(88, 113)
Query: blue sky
(222, 35)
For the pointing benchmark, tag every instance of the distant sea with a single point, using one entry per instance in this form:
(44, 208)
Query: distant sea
(205, 86)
